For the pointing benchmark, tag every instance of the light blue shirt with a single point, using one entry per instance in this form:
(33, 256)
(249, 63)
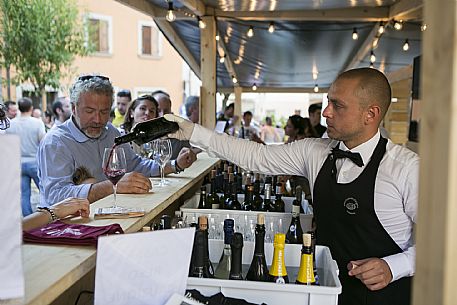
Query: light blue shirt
(66, 148)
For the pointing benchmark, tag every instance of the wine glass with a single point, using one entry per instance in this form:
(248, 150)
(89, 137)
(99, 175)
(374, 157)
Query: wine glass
(167, 151)
(114, 167)
(162, 154)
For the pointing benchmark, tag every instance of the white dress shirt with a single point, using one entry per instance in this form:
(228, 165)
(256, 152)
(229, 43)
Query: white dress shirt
(396, 186)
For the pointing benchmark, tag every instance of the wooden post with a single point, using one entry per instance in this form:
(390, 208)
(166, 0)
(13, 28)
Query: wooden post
(208, 72)
(436, 263)
(238, 91)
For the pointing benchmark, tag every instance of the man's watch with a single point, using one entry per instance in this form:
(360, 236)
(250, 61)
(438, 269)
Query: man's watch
(175, 167)
(53, 216)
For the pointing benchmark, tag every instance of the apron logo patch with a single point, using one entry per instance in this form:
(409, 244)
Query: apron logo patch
(351, 205)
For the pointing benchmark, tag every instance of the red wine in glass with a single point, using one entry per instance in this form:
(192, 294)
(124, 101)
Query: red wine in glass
(114, 166)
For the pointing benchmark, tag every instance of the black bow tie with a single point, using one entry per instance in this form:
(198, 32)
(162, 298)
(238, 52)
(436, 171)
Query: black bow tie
(355, 157)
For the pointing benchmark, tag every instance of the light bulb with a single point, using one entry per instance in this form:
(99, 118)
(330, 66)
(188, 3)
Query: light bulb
(423, 27)
(271, 27)
(171, 13)
(375, 42)
(372, 57)
(355, 35)
(217, 37)
(234, 80)
(222, 59)
(398, 25)
(406, 45)
(254, 87)
(381, 29)
(201, 23)
(316, 88)
(371, 65)
(250, 31)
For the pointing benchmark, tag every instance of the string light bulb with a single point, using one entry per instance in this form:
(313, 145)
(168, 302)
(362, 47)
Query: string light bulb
(254, 87)
(355, 35)
(375, 42)
(271, 27)
(217, 37)
(381, 29)
(316, 88)
(201, 23)
(398, 25)
(250, 31)
(170, 13)
(222, 59)
(234, 80)
(371, 65)
(406, 45)
(372, 57)
(423, 27)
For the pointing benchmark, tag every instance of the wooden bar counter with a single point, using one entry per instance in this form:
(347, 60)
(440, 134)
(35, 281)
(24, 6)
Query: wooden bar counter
(50, 270)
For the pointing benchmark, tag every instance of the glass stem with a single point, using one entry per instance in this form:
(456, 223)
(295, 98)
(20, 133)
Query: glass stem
(115, 192)
(162, 174)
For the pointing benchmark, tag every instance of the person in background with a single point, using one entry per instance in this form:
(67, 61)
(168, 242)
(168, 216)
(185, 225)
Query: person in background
(81, 140)
(365, 188)
(247, 129)
(48, 120)
(31, 131)
(36, 113)
(229, 116)
(123, 98)
(61, 109)
(164, 102)
(268, 133)
(11, 109)
(315, 114)
(192, 106)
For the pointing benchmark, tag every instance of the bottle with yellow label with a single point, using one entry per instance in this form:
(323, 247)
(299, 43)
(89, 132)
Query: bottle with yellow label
(306, 271)
(278, 272)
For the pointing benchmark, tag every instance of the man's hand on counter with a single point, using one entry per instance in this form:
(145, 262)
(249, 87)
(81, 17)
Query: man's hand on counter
(186, 127)
(373, 272)
(134, 183)
(185, 158)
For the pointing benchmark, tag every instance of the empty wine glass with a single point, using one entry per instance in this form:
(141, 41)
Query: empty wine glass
(162, 154)
(114, 167)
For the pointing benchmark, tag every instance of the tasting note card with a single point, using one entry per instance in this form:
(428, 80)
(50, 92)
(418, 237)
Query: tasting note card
(142, 268)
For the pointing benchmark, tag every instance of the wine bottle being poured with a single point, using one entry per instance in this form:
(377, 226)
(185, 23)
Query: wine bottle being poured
(147, 131)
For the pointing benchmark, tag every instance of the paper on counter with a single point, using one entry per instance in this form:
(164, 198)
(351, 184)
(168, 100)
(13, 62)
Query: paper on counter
(11, 272)
(142, 268)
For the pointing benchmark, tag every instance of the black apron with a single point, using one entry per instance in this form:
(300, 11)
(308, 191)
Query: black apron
(347, 224)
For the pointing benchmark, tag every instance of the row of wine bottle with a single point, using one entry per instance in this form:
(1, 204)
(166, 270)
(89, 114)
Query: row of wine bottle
(230, 263)
(252, 199)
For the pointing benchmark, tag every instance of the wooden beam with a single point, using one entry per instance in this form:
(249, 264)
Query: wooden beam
(178, 44)
(359, 54)
(144, 6)
(400, 74)
(406, 10)
(346, 14)
(208, 72)
(436, 277)
(272, 90)
(196, 6)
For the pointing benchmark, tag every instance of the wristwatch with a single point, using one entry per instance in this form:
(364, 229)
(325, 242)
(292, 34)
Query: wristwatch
(175, 167)
(50, 211)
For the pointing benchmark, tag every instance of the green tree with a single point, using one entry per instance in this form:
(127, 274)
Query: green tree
(40, 39)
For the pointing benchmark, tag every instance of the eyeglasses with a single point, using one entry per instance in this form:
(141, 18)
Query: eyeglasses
(87, 77)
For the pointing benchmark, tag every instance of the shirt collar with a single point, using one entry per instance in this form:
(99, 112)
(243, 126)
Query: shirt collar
(78, 135)
(365, 149)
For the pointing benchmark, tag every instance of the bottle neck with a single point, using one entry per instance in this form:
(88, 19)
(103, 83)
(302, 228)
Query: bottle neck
(125, 139)
(295, 211)
(278, 267)
(236, 260)
(259, 239)
(213, 186)
(228, 234)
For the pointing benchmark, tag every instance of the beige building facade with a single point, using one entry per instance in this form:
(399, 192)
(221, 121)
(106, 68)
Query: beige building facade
(129, 49)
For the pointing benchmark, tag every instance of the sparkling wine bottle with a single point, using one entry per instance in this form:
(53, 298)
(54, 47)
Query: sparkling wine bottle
(213, 198)
(278, 272)
(147, 131)
(258, 271)
(203, 226)
(306, 271)
(295, 233)
(237, 254)
(278, 205)
(198, 256)
(223, 268)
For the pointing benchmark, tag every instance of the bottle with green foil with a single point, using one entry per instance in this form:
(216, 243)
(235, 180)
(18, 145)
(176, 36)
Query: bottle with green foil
(278, 272)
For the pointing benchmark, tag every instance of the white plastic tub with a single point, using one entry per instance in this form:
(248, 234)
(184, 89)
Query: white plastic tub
(272, 293)
(274, 222)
